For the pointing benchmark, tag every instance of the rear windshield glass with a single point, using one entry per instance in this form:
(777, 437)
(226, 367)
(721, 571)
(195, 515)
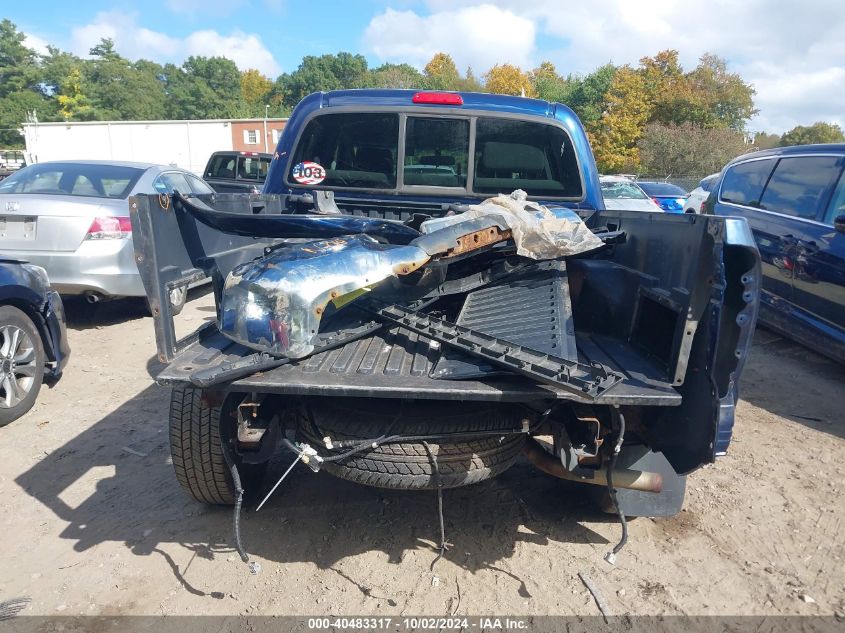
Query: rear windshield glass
(73, 179)
(534, 157)
(622, 190)
(354, 149)
(661, 189)
(436, 152)
(360, 150)
(238, 167)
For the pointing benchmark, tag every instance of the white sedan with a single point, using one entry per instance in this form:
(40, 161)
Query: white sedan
(698, 195)
(623, 193)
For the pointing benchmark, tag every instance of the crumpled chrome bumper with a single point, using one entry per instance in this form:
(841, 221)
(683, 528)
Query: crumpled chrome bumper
(275, 304)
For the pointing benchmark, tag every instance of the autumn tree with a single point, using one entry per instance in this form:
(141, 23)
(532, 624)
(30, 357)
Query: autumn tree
(708, 96)
(819, 132)
(763, 140)
(255, 90)
(688, 149)
(441, 73)
(507, 79)
(615, 135)
(74, 104)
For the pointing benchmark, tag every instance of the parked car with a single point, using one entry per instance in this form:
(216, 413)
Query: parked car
(12, 160)
(662, 310)
(33, 338)
(237, 172)
(671, 198)
(620, 192)
(794, 201)
(72, 219)
(698, 195)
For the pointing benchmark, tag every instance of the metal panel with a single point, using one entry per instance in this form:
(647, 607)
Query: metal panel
(533, 310)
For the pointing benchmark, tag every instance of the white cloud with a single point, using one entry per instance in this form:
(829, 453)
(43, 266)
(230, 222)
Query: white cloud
(246, 50)
(477, 36)
(793, 54)
(136, 42)
(213, 7)
(39, 45)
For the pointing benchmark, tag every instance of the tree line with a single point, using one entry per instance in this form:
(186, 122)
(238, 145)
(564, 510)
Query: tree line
(655, 117)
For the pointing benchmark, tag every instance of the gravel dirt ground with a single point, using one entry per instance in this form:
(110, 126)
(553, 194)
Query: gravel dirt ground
(94, 522)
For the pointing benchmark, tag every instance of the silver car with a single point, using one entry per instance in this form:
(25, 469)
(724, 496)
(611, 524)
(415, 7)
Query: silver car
(72, 219)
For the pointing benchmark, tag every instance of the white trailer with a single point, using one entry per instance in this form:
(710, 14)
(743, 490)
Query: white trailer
(186, 144)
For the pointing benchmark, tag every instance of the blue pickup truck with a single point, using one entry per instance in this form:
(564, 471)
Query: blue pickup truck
(378, 325)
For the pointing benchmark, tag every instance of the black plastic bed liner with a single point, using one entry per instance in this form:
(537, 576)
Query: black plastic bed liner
(396, 363)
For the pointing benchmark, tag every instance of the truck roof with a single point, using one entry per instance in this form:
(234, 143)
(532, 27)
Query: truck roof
(471, 100)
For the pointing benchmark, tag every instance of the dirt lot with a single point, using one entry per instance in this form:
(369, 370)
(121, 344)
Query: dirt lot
(94, 522)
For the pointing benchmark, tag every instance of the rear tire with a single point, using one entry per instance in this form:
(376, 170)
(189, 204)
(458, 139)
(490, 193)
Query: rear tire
(21, 364)
(406, 465)
(197, 449)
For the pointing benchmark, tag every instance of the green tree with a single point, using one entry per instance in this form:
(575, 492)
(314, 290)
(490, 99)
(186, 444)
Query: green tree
(327, 72)
(395, 76)
(469, 82)
(688, 149)
(122, 90)
(441, 73)
(507, 79)
(56, 66)
(587, 95)
(14, 108)
(819, 132)
(17, 62)
(549, 85)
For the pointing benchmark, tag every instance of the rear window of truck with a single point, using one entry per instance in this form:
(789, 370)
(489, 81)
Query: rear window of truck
(236, 167)
(361, 151)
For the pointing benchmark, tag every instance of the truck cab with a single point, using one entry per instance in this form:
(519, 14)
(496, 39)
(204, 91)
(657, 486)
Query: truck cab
(428, 148)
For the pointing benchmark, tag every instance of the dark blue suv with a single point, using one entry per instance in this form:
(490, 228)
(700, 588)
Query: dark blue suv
(794, 201)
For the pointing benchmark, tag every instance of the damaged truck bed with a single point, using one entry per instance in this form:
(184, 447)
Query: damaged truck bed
(383, 320)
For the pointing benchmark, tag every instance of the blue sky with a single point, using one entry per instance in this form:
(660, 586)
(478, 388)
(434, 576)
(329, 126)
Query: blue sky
(795, 60)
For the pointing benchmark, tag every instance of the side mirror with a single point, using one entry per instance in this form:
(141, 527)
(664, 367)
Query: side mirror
(839, 223)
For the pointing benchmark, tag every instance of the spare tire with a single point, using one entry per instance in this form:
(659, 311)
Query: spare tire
(406, 465)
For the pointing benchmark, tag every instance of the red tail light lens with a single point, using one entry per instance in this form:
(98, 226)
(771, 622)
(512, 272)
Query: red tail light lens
(438, 98)
(109, 228)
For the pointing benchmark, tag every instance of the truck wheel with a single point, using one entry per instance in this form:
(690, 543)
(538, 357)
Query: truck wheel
(407, 465)
(21, 364)
(197, 450)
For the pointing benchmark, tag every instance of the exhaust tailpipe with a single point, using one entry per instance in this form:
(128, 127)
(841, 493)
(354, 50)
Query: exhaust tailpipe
(92, 297)
(622, 478)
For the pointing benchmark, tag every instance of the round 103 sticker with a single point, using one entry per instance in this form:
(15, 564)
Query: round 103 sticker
(309, 173)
